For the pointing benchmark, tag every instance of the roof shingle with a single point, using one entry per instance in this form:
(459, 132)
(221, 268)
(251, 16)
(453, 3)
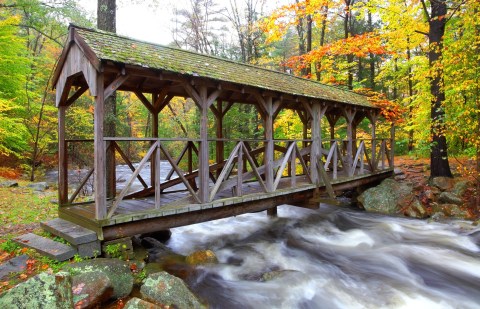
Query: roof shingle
(109, 46)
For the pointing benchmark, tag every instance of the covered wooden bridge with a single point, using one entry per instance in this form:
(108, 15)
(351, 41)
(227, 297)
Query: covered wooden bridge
(205, 183)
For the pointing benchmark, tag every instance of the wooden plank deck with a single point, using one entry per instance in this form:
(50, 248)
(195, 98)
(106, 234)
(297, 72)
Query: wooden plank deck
(179, 208)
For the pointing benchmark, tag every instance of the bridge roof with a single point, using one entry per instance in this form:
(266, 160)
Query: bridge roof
(106, 46)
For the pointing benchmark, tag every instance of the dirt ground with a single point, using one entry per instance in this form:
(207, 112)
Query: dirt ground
(417, 172)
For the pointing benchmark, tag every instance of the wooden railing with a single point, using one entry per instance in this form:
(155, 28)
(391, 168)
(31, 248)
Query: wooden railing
(290, 161)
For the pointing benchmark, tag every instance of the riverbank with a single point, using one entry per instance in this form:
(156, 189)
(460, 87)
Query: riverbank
(244, 241)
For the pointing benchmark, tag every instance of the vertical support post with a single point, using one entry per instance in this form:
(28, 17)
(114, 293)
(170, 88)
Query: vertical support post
(99, 152)
(156, 168)
(272, 212)
(203, 169)
(220, 154)
(316, 147)
(293, 168)
(153, 168)
(373, 120)
(269, 146)
(392, 145)
(239, 171)
(62, 158)
(350, 115)
(335, 160)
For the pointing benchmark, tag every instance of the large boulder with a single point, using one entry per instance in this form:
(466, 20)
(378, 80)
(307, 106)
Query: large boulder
(8, 184)
(117, 271)
(390, 197)
(165, 289)
(443, 183)
(449, 198)
(461, 186)
(91, 289)
(41, 291)
(38, 186)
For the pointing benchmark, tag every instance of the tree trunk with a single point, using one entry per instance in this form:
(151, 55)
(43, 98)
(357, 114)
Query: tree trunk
(309, 42)
(410, 95)
(106, 20)
(438, 157)
(347, 30)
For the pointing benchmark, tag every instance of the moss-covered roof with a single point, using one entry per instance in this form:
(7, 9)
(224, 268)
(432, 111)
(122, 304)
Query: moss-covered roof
(109, 46)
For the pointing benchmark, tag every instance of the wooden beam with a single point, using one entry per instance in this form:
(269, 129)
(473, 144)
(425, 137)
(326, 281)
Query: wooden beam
(119, 80)
(145, 101)
(349, 116)
(62, 159)
(269, 144)
(99, 153)
(76, 95)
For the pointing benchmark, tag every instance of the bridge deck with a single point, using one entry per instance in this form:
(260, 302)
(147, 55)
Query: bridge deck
(139, 215)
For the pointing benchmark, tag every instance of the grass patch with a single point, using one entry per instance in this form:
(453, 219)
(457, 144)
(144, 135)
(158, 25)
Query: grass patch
(21, 206)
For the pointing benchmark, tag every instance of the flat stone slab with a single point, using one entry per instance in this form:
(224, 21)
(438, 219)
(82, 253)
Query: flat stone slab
(45, 246)
(14, 265)
(71, 232)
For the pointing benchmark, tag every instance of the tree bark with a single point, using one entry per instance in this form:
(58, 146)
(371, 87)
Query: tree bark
(439, 157)
(347, 30)
(106, 20)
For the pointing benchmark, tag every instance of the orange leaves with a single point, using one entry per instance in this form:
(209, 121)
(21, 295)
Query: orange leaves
(390, 110)
(360, 46)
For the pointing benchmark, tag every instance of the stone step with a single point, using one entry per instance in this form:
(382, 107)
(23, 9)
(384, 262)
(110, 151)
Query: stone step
(46, 246)
(71, 232)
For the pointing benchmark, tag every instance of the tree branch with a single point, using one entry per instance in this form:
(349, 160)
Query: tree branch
(42, 33)
(425, 10)
(455, 10)
(421, 32)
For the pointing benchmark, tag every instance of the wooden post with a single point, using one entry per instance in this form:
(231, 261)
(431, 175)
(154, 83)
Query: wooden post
(272, 212)
(373, 122)
(269, 146)
(203, 169)
(349, 116)
(293, 168)
(62, 158)
(203, 101)
(220, 155)
(316, 141)
(99, 152)
(392, 145)
(153, 168)
(239, 171)
(156, 170)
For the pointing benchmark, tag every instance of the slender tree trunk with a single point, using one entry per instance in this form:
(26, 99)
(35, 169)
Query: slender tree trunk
(371, 55)
(309, 42)
(439, 156)
(477, 100)
(106, 20)
(410, 95)
(347, 30)
(318, 65)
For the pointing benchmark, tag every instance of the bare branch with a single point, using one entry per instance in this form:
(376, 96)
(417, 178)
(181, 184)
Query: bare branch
(42, 33)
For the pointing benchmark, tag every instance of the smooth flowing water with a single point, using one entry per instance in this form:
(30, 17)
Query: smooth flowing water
(335, 258)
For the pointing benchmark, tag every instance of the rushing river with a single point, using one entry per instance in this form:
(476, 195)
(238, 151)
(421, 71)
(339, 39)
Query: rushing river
(335, 258)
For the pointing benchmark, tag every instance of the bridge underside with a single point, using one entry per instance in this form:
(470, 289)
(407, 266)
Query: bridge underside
(136, 216)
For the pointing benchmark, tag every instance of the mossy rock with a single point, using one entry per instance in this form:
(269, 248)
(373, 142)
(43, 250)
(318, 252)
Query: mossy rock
(202, 257)
(165, 289)
(116, 270)
(41, 291)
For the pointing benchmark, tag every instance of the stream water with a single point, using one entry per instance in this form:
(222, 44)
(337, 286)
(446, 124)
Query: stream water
(335, 258)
